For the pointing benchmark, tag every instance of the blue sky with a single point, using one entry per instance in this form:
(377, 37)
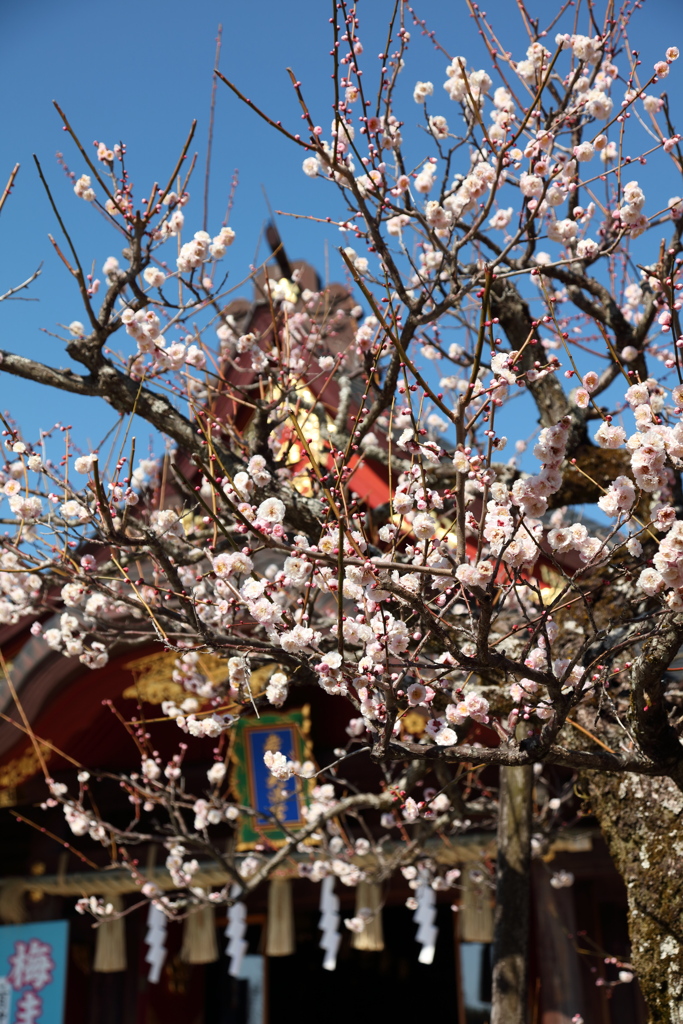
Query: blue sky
(140, 71)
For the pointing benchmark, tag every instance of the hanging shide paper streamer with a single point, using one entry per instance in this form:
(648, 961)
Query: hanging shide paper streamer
(280, 939)
(329, 923)
(110, 942)
(199, 937)
(156, 941)
(235, 931)
(476, 914)
(424, 917)
(369, 897)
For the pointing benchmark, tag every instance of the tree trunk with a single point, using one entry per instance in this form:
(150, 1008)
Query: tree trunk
(642, 821)
(513, 889)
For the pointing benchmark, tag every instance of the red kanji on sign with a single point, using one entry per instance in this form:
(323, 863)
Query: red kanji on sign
(32, 965)
(29, 1008)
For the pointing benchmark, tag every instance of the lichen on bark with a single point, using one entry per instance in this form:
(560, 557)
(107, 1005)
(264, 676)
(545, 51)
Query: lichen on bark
(641, 819)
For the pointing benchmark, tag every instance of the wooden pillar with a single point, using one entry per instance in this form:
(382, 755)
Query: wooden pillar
(513, 891)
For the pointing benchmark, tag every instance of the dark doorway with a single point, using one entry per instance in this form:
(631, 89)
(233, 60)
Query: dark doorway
(387, 985)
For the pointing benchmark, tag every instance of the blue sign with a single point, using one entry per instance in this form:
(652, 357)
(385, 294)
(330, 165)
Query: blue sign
(33, 960)
(273, 795)
(276, 801)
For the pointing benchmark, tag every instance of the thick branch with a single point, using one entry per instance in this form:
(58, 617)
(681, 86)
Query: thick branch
(515, 318)
(600, 761)
(656, 736)
(29, 369)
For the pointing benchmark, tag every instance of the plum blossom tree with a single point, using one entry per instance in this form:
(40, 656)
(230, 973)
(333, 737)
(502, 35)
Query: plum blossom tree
(507, 257)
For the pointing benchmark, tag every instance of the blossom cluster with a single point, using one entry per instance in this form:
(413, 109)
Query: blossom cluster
(331, 512)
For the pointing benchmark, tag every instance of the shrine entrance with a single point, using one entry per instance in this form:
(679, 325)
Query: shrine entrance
(388, 984)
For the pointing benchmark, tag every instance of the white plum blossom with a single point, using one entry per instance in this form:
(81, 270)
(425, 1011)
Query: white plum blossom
(74, 510)
(83, 190)
(425, 180)
(272, 510)
(501, 218)
(154, 277)
(422, 90)
(194, 253)
(28, 509)
(423, 525)
(297, 639)
(619, 497)
(221, 242)
(277, 688)
(610, 435)
(311, 166)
